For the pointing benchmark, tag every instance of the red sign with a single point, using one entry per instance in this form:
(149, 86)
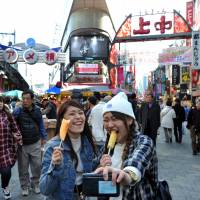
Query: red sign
(153, 24)
(87, 68)
(189, 13)
(10, 55)
(50, 57)
(30, 56)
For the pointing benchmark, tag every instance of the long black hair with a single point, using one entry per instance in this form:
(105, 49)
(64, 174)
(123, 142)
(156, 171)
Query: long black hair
(86, 131)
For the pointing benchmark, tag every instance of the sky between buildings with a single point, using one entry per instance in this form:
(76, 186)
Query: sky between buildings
(44, 21)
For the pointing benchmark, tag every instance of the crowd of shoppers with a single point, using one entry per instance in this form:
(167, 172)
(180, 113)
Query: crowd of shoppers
(133, 162)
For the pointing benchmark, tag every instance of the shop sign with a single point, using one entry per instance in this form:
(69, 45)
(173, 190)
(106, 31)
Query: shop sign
(30, 56)
(175, 55)
(10, 55)
(50, 57)
(175, 74)
(159, 23)
(189, 12)
(87, 79)
(88, 68)
(196, 50)
(195, 79)
(185, 74)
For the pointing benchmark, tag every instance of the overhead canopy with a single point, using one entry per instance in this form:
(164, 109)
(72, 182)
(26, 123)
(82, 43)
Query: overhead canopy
(53, 90)
(14, 76)
(93, 88)
(13, 93)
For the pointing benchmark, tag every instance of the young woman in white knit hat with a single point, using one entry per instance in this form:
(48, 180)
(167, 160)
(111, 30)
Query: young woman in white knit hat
(133, 161)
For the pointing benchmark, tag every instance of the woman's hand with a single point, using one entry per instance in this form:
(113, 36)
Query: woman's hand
(57, 156)
(118, 175)
(105, 160)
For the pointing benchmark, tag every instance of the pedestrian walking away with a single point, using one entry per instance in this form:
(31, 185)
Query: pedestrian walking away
(194, 126)
(167, 120)
(178, 121)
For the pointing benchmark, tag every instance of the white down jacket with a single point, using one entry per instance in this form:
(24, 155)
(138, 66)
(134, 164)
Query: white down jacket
(167, 116)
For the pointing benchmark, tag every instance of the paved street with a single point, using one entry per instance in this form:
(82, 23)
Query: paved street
(176, 164)
(180, 168)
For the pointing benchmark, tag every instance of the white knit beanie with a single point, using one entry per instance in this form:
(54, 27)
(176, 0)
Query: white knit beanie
(119, 103)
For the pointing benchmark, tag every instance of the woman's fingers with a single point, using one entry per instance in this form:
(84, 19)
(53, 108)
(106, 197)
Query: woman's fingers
(105, 160)
(105, 173)
(57, 156)
(120, 176)
(117, 174)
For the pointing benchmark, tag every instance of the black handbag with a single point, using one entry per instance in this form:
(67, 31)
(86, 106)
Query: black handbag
(163, 192)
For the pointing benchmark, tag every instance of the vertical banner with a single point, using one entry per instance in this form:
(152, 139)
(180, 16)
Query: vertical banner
(185, 74)
(196, 14)
(120, 75)
(113, 75)
(195, 79)
(196, 50)
(189, 18)
(175, 74)
(189, 13)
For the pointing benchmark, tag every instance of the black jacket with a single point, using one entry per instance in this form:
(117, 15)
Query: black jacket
(180, 114)
(28, 122)
(194, 118)
(150, 117)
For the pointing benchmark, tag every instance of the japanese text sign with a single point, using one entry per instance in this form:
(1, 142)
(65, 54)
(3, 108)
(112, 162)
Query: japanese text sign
(196, 50)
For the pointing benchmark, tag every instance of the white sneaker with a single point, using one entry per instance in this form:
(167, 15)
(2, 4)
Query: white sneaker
(6, 193)
(25, 192)
(36, 189)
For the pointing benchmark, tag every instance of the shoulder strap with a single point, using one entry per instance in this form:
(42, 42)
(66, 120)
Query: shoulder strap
(165, 113)
(33, 118)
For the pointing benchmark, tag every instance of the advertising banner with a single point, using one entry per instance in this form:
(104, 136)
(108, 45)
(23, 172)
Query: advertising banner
(189, 12)
(196, 50)
(88, 68)
(197, 15)
(185, 74)
(175, 74)
(189, 18)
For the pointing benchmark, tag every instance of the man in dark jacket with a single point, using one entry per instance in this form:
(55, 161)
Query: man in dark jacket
(133, 100)
(180, 118)
(194, 126)
(49, 109)
(30, 122)
(149, 117)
